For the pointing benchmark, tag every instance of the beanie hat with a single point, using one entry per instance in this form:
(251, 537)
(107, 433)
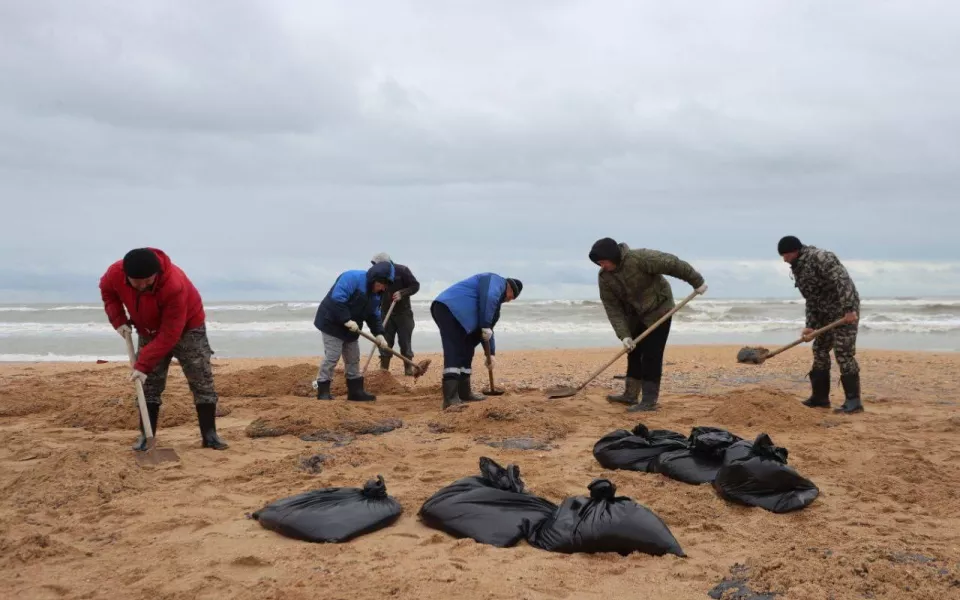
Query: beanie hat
(605, 249)
(516, 285)
(788, 243)
(141, 263)
(380, 257)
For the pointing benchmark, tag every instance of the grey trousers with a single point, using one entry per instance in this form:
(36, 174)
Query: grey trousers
(333, 349)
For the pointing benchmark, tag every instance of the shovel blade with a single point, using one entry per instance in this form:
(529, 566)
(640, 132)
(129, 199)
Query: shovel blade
(561, 392)
(421, 368)
(153, 456)
(750, 355)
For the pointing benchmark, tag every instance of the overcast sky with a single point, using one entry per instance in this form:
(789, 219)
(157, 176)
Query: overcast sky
(269, 145)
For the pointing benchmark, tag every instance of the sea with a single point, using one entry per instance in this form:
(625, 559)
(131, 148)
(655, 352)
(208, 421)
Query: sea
(81, 333)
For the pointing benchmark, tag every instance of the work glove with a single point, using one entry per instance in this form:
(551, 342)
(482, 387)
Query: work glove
(381, 341)
(352, 326)
(487, 333)
(137, 375)
(702, 289)
(628, 343)
(124, 330)
(397, 296)
(490, 362)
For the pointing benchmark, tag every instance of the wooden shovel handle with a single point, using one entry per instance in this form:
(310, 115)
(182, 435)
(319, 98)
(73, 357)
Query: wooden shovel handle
(486, 353)
(374, 349)
(824, 329)
(141, 400)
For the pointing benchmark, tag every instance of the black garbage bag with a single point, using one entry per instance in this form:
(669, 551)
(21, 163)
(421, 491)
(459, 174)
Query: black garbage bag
(635, 450)
(492, 508)
(331, 514)
(604, 522)
(700, 461)
(756, 474)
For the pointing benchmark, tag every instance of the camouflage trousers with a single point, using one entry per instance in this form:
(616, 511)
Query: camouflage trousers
(843, 342)
(193, 352)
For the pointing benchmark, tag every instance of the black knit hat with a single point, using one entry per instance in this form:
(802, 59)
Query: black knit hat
(141, 263)
(516, 285)
(788, 243)
(605, 249)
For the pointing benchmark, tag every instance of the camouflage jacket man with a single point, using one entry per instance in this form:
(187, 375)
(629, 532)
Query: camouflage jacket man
(826, 286)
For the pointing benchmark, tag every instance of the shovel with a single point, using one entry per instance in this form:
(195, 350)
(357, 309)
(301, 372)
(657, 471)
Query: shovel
(493, 391)
(152, 455)
(418, 368)
(758, 356)
(566, 391)
(374, 349)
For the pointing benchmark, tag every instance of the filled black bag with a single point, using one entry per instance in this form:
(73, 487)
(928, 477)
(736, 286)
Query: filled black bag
(331, 514)
(700, 461)
(492, 508)
(635, 450)
(756, 474)
(604, 522)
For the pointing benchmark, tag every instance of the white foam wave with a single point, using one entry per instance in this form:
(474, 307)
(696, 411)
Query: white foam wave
(61, 358)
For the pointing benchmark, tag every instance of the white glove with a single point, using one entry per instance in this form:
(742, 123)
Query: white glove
(397, 296)
(702, 289)
(381, 341)
(138, 375)
(490, 361)
(487, 333)
(628, 343)
(352, 326)
(124, 330)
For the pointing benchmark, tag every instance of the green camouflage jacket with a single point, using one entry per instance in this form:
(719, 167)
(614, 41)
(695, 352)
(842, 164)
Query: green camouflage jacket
(826, 286)
(636, 293)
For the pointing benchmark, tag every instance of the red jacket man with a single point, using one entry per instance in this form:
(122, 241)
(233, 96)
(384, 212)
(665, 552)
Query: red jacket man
(147, 290)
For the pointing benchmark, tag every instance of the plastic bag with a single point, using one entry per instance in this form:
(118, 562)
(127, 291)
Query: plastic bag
(700, 462)
(492, 508)
(604, 522)
(635, 450)
(756, 474)
(331, 514)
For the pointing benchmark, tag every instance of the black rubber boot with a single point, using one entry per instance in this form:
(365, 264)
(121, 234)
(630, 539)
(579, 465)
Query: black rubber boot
(851, 390)
(631, 390)
(466, 394)
(385, 363)
(451, 392)
(323, 391)
(356, 392)
(820, 383)
(207, 417)
(650, 391)
(153, 413)
(408, 368)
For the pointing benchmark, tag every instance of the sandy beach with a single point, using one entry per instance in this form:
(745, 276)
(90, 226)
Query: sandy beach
(79, 518)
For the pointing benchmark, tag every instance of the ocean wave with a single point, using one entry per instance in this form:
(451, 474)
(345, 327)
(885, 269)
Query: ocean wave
(49, 357)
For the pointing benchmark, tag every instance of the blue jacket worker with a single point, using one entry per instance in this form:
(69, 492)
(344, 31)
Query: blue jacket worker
(353, 299)
(466, 313)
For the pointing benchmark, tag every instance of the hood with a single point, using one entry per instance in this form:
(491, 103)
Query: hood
(382, 271)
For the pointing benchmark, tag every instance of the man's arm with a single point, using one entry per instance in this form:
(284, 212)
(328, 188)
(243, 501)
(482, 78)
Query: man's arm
(112, 304)
(173, 318)
(664, 263)
(833, 271)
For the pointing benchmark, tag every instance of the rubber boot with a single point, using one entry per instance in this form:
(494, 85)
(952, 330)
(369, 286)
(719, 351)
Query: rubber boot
(323, 391)
(385, 363)
(650, 391)
(451, 392)
(356, 392)
(631, 390)
(408, 368)
(851, 390)
(820, 383)
(153, 413)
(466, 394)
(207, 418)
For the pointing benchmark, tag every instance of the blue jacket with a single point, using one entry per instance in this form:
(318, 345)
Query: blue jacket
(351, 298)
(476, 301)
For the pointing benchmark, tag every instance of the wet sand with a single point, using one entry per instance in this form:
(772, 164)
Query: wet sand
(79, 518)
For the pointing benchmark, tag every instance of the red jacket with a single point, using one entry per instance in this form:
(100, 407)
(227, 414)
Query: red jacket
(163, 313)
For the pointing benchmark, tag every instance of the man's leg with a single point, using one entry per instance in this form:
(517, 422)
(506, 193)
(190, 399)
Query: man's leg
(631, 386)
(193, 351)
(452, 338)
(820, 372)
(469, 347)
(651, 366)
(404, 325)
(332, 349)
(845, 349)
(152, 393)
(351, 367)
(389, 334)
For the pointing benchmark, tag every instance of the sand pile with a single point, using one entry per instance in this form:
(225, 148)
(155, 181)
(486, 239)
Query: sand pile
(103, 414)
(504, 418)
(298, 380)
(766, 409)
(315, 420)
(36, 395)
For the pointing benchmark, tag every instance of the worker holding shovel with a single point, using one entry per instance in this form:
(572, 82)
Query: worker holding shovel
(167, 312)
(400, 326)
(830, 294)
(465, 314)
(635, 295)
